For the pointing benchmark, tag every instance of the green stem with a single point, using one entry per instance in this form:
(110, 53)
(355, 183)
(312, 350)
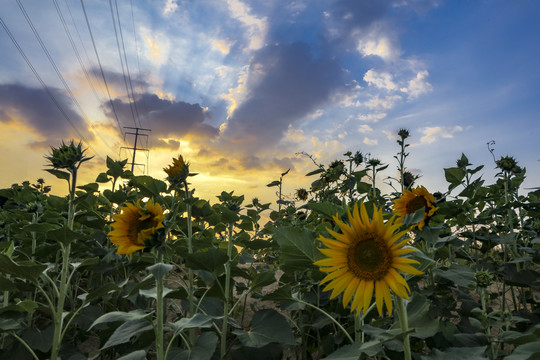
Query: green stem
(159, 316)
(190, 271)
(25, 344)
(227, 291)
(58, 318)
(404, 323)
(328, 316)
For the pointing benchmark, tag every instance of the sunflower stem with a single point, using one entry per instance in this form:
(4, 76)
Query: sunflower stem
(190, 271)
(404, 323)
(227, 291)
(58, 318)
(345, 332)
(159, 314)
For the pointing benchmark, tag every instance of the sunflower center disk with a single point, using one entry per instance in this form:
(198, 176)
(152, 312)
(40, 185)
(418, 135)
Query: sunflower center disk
(415, 204)
(369, 259)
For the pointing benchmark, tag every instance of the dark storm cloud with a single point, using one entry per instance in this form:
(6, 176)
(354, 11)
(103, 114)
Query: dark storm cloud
(118, 81)
(166, 118)
(35, 108)
(284, 85)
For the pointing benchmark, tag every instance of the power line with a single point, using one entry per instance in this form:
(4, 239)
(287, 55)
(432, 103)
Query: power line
(127, 64)
(122, 63)
(76, 51)
(137, 52)
(45, 87)
(53, 63)
(101, 68)
(135, 148)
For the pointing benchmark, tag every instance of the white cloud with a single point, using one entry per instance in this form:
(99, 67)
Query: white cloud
(381, 80)
(379, 42)
(390, 135)
(170, 7)
(385, 103)
(257, 27)
(433, 133)
(373, 117)
(365, 128)
(418, 85)
(369, 141)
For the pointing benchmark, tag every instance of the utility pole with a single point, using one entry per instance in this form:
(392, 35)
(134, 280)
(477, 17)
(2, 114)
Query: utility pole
(135, 148)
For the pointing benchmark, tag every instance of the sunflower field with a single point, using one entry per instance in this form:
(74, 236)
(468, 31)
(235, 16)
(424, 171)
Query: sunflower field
(135, 267)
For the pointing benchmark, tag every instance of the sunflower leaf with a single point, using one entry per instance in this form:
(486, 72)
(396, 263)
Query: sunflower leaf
(267, 326)
(414, 218)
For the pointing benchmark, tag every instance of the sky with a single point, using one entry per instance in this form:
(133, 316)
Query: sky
(240, 88)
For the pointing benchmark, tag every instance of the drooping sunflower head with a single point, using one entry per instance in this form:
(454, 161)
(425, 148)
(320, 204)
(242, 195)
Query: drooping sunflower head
(135, 225)
(365, 259)
(413, 200)
(178, 171)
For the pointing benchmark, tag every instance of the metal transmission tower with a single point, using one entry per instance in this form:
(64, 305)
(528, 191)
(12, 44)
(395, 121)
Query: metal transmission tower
(137, 133)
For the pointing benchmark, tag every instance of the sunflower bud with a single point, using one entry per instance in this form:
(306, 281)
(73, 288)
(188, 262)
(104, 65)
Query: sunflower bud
(403, 134)
(483, 278)
(67, 156)
(302, 194)
(408, 179)
(507, 164)
(178, 171)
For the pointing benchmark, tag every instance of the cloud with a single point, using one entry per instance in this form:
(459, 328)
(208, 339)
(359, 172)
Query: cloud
(385, 103)
(365, 128)
(284, 84)
(369, 141)
(372, 117)
(256, 27)
(418, 85)
(433, 133)
(35, 109)
(382, 80)
(167, 118)
(170, 7)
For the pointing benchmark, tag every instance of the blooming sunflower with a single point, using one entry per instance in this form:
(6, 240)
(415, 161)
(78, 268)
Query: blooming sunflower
(413, 200)
(365, 259)
(178, 171)
(135, 225)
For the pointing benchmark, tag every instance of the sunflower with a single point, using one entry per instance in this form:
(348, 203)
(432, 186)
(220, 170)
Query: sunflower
(135, 225)
(178, 171)
(413, 200)
(365, 259)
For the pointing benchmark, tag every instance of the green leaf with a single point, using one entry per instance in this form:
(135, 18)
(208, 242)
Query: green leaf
(267, 326)
(160, 270)
(149, 186)
(89, 188)
(29, 271)
(99, 293)
(63, 175)
(419, 318)
(28, 306)
(315, 172)
(327, 209)
(197, 321)
(203, 349)
(274, 183)
(136, 355)
(102, 178)
(64, 235)
(414, 218)
(530, 351)
(454, 176)
(298, 247)
(127, 330)
(211, 260)
(469, 353)
(461, 275)
(282, 293)
(120, 316)
(352, 351)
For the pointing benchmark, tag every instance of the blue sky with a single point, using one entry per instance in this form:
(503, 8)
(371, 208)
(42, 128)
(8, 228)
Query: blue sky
(239, 87)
